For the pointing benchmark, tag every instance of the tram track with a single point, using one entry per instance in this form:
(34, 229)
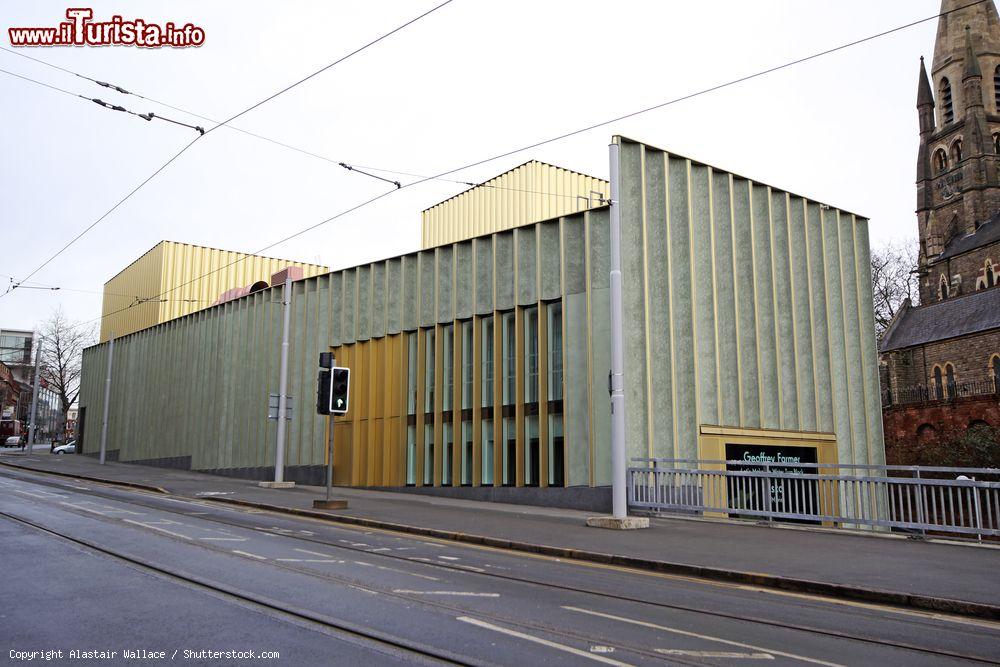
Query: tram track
(157, 503)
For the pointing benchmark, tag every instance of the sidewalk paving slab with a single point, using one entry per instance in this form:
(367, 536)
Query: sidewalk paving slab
(940, 575)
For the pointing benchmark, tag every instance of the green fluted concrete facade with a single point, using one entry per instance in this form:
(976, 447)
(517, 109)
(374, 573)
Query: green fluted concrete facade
(198, 386)
(745, 306)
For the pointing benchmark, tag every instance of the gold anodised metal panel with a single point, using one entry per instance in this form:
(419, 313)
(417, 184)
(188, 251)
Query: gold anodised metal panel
(175, 279)
(524, 195)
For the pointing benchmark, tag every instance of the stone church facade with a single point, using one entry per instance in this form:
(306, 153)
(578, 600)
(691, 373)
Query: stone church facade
(941, 359)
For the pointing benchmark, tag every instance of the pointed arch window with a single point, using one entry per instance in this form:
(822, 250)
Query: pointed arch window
(996, 143)
(943, 287)
(947, 107)
(995, 372)
(941, 160)
(956, 151)
(938, 383)
(988, 276)
(996, 89)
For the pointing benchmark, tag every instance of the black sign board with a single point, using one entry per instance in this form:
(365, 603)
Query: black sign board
(787, 495)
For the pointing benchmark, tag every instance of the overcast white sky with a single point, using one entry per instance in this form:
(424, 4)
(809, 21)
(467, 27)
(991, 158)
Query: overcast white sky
(471, 80)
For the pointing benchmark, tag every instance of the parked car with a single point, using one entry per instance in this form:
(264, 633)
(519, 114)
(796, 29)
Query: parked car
(68, 448)
(12, 441)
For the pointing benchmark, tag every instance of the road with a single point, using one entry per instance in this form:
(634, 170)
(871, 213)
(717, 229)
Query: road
(95, 568)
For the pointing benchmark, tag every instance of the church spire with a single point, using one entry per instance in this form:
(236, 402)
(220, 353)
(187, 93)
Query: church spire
(924, 94)
(971, 61)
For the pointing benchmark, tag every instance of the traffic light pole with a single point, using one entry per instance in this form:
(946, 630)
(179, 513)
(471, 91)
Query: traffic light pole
(329, 449)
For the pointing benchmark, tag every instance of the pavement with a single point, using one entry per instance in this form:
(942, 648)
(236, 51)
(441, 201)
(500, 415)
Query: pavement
(945, 576)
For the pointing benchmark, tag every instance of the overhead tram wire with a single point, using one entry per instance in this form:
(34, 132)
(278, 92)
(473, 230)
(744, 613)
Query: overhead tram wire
(297, 149)
(225, 122)
(676, 100)
(107, 105)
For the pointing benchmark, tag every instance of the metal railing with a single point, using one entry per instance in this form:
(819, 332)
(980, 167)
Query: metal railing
(928, 500)
(946, 392)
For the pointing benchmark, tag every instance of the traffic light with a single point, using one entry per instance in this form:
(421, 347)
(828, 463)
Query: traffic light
(340, 386)
(323, 392)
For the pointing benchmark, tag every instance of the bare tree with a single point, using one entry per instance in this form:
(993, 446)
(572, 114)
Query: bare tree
(893, 281)
(62, 354)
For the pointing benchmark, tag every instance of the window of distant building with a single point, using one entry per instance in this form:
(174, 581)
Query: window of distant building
(994, 369)
(956, 151)
(940, 160)
(996, 143)
(987, 276)
(946, 101)
(944, 381)
(996, 90)
(943, 287)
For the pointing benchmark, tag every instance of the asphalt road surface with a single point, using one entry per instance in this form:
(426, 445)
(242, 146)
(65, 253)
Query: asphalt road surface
(105, 571)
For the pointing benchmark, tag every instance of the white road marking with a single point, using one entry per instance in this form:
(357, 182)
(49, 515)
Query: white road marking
(152, 527)
(469, 567)
(361, 562)
(313, 553)
(248, 554)
(467, 594)
(716, 654)
(375, 551)
(85, 509)
(111, 509)
(33, 495)
(309, 560)
(412, 574)
(685, 633)
(224, 539)
(447, 558)
(543, 642)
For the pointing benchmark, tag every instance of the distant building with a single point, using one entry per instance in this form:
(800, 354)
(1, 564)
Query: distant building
(941, 359)
(160, 285)
(480, 362)
(10, 399)
(17, 354)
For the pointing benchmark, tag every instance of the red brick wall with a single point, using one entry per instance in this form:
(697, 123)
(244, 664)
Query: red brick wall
(901, 422)
(950, 441)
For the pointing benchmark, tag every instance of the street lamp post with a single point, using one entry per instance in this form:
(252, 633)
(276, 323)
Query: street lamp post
(34, 398)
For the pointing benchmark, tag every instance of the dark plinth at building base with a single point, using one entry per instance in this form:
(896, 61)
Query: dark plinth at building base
(330, 504)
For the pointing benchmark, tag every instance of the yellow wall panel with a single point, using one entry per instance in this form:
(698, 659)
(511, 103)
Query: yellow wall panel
(175, 279)
(524, 195)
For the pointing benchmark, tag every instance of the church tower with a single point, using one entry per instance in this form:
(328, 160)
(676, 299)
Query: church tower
(958, 166)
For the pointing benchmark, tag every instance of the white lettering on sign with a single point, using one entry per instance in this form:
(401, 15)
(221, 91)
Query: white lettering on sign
(777, 458)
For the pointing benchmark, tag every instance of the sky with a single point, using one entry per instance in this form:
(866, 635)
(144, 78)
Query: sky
(469, 81)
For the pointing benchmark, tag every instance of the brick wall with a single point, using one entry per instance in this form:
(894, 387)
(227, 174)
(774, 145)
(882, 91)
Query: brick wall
(902, 423)
(963, 270)
(939, 433)
(970, 356)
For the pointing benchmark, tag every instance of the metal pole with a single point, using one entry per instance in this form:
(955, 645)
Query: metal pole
(619, 503)
(107, 400)
(34, 398)
(329, 446)
(279, 456)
